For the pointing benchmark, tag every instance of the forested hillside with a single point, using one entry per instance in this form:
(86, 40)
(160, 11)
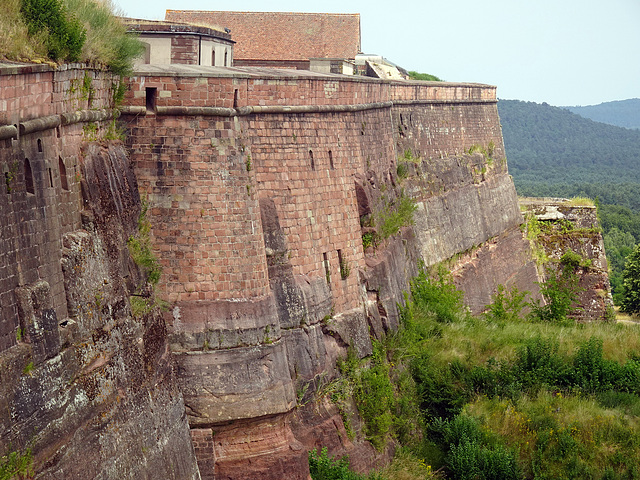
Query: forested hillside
(623, 113)
(554, 152)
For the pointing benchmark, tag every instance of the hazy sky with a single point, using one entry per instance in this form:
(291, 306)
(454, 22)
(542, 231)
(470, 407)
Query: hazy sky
(563, 52)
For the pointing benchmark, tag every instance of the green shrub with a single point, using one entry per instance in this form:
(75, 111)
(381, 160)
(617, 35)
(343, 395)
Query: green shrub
(395, 216)
(16, 465)
(559, 291)
(423, 76)
(442, 394)
(324, 467)
(402, 170)
(65, 35)
(494, 379)
(67, 30)
(470, 453)
(438, 296)
(506, 306)
(374, 397)
(108, 42)
(140, 248)
(369, 240)
(630, 298)
(538, 364)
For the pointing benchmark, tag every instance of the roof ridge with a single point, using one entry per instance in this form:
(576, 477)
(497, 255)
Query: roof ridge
(247, 12)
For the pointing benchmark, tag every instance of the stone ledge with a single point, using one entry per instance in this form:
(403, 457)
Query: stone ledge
(52, 121)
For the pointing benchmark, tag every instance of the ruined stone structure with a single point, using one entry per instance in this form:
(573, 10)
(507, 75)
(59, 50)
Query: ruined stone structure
(260, 185)
(567, 227)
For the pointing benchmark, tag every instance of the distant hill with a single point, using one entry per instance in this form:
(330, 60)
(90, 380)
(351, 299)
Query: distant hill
(622, 113)
(552, 151)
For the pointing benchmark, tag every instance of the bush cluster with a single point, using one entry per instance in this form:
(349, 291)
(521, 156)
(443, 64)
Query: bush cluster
(501, 396)
(67, 31)
(65, 34)
(324, 467)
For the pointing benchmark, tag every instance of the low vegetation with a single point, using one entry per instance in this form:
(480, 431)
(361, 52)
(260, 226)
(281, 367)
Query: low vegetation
(423, 76)
(141, 252)
(503, 395)
(66, 31)
(395, 215)
(16, 465)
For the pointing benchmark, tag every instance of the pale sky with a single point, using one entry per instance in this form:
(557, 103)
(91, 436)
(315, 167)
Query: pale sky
(563, 52)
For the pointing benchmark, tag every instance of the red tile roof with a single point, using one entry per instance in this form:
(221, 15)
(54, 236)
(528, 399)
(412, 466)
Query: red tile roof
(282, 36)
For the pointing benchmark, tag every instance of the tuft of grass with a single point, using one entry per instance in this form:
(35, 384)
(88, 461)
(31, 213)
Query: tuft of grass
(16, 465)
(395, 216)
(533, 230)
(107, 41)
(579, 202)
(28, 369)
(140, 248)
(15, 41)
(406, 465)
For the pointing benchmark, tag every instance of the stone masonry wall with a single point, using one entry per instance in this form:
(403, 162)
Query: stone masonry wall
(185, 49)
(40, 188)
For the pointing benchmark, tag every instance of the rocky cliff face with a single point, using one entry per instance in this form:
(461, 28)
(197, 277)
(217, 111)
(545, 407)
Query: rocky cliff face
(97, 384)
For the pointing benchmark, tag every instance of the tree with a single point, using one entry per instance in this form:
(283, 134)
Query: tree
(631, 283)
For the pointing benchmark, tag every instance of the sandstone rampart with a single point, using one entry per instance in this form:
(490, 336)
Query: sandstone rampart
(259, 182)
(260, 185)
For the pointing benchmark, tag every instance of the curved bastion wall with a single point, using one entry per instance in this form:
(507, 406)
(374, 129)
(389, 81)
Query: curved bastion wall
(260, 183)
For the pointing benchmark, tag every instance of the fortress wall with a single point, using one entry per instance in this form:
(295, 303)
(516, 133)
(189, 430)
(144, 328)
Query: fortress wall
(466, 202)
(447, 129)
(40, 196)
(306, 165)
(305, 175)
(316, 205)
(28, 92)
